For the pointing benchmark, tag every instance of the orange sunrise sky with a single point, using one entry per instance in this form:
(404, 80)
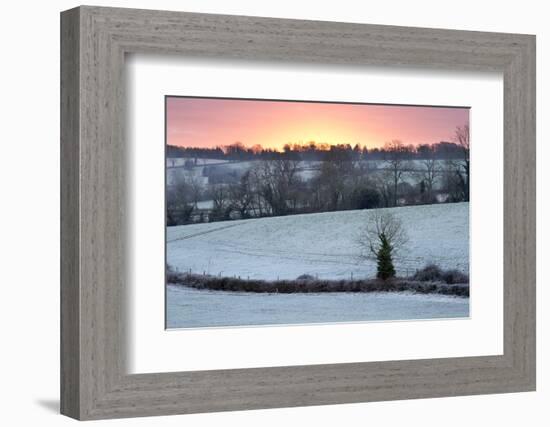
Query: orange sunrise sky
(210, 122)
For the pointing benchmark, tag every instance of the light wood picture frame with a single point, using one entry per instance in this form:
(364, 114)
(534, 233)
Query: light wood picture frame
(94, 380)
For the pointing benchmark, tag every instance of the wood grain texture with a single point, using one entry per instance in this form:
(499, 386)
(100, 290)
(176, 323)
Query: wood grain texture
(70, 292)
(94, 236)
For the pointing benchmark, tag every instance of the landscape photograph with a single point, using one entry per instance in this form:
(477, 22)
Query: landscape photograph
(293, 212)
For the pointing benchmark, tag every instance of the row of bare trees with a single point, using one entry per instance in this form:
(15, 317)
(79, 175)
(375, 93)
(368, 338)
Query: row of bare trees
(277, 187)
(455, 172)
(269, 188)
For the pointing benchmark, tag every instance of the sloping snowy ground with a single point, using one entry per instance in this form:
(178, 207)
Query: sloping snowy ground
(323, 245)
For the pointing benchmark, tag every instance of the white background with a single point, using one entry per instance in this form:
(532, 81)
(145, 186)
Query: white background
(153, 349)
(29, 224)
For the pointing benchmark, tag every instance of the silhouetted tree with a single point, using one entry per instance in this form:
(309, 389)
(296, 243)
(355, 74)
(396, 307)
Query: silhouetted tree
(277, 179)
(365, 198)
(462, 138)
(428, 174)
(221, 208)
(396, 164)
(180, 202)
(241, 195)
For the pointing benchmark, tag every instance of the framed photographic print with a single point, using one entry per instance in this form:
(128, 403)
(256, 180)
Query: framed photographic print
(299, 226)
(263, 213)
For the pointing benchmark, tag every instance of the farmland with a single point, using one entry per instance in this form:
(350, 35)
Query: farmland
(323, 245)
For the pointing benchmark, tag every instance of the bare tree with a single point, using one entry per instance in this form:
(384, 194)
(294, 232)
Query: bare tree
(331, 184)
(258, 205)
(220, 199)
(396, 164)
(179, 201)
(384, 186)
(195, 189)
(381, 239)
(462, 138)
(338, 178)
(428, 174)
(241, 195)
(382, 223)
(277, 180)
(454, 182)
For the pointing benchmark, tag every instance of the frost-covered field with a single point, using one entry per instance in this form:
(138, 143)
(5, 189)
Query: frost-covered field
(191, 308)
(323, 244)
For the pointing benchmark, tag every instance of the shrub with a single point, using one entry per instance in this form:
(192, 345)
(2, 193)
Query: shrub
(171, 275)
(305, 277)
(452, 277)
(365, 198)
(430, 273)
(217, 283)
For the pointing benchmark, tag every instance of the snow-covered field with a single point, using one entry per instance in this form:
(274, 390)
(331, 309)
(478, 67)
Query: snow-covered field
(323, 244)
(191, 308)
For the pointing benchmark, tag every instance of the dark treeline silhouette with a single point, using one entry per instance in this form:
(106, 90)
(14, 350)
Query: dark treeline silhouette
(314, 151)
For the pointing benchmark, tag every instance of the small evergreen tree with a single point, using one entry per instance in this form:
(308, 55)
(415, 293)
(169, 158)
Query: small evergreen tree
(381, 239)
(384, 259)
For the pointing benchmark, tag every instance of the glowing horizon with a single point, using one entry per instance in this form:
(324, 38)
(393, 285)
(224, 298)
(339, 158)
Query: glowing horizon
(212, 122)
